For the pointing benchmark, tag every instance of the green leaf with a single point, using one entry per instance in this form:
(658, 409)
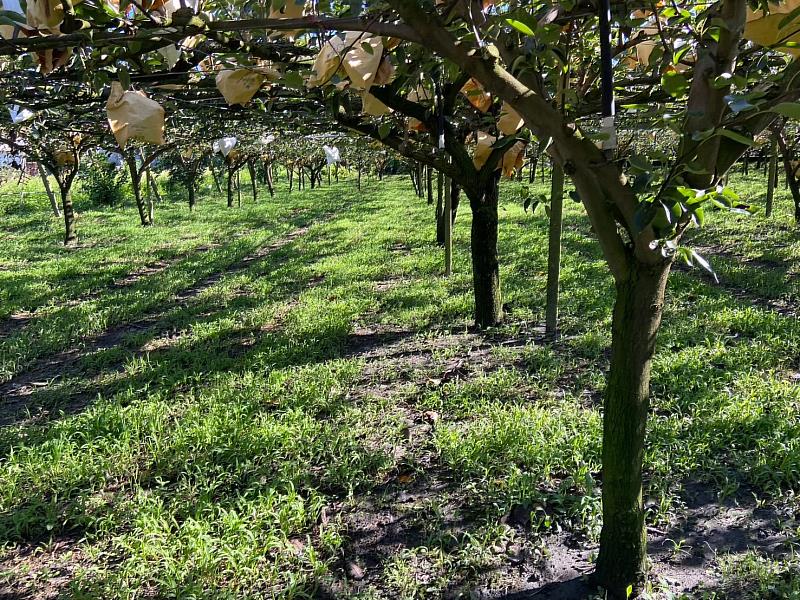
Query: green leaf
(645, 213)
(367, 47)
(705, 265)
(792, 16)
(293, 79)
(384, 130)
(13, 17)
(675, 84)
(736, 137)
(641, 182)
(124, 78)
(520, 26)
(738, 103)
(790, 110)
(637, 161)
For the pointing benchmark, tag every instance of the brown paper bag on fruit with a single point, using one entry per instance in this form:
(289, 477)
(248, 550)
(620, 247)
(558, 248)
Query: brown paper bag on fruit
(132, 115)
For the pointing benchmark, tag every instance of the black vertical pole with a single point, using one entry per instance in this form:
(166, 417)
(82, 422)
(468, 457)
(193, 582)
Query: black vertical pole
(606, 70)
(607, 77)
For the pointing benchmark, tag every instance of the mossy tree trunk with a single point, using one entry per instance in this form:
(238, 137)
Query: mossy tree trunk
(68, 210)
(231, 174)
(485, 264)
(636, 319)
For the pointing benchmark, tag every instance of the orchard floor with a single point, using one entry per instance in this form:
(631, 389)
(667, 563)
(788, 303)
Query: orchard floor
(286, 400)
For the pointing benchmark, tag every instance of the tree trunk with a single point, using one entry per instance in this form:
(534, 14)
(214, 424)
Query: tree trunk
(771, 174)
(68, 210)
(791, 176)
(454, 191)
(485, 265)
(429, 176)
(251, 168)
(268, 170)
(216, 180)
(447, 212)
(554, 251)
(190, 189)
(153, 186)
(48, 189)
(136, 184)
(151, 211)
(439, 190)
(637, 316)
(230, 187)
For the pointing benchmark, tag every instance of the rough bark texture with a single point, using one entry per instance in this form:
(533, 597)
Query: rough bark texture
(136, 184)
(636, 319)
(48, 190)
(70, 236)
(485, 265)
(455, 197)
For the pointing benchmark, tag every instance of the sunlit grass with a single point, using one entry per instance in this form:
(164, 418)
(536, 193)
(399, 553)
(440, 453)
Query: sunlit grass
(201, 453)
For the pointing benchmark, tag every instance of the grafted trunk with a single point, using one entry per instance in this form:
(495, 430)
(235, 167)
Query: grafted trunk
(636, 319)
(485, 265)
(70, 235)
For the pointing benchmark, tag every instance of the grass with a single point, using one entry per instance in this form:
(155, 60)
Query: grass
(218, 427)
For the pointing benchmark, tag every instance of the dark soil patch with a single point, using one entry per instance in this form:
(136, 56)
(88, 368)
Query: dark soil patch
(36, 572)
